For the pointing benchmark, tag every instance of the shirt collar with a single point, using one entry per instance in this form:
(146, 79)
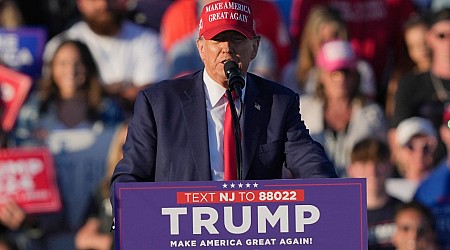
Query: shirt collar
(214, 91)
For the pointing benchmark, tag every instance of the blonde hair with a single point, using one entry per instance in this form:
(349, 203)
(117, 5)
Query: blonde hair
(318, 16)
(10, 15)
(115, 154)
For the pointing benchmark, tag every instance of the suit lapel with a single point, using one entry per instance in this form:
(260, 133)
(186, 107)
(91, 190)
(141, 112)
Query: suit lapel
(193, 104)
(254, 106)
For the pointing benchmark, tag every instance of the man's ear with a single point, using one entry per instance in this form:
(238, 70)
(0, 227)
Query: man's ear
(255, 46)
(201, 47)
(444, 132)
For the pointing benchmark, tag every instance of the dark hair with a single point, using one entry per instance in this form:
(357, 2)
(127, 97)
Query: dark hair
(419, 207)
(406, 64)
(49, 92)
(370, 149)
(7, 241)
(440, 15)
(413, 21)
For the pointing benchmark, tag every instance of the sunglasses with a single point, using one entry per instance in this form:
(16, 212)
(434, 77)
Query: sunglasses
(425, 147)
(338, 74)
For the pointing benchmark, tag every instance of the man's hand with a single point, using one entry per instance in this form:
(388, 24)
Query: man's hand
(11, 215)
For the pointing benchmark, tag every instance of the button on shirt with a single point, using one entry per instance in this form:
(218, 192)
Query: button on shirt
(216, 104)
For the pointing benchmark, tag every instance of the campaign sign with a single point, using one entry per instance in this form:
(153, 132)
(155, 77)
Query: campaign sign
(264, 214)
(22, 49)
(14, 88)
(27, 176)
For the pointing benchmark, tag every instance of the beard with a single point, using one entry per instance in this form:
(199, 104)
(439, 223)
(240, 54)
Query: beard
(107, 24)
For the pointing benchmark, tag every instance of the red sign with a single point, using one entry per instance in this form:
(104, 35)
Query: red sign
(27, 176)
(14, 89)
(240, 196)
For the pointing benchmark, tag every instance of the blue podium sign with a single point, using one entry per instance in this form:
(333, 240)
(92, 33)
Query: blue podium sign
(262, 214)
(22, 48)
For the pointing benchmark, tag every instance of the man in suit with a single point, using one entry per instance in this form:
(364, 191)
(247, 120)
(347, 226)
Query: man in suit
(177, 131)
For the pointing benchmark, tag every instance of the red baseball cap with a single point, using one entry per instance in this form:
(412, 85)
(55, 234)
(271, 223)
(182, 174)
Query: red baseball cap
(219, 16)
(446, 115)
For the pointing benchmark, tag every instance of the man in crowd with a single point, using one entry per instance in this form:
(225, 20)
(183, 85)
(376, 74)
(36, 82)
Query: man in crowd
(370, 159)
(434, 191)
(129, 56)
(425, 94)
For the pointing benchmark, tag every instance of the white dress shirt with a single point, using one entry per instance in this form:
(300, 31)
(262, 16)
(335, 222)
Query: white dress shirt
(216, 105)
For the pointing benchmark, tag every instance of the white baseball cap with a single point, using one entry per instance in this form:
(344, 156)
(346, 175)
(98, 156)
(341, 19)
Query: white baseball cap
(413, 126)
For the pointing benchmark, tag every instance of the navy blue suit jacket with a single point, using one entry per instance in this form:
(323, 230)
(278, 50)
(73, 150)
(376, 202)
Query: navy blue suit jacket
(168, 136)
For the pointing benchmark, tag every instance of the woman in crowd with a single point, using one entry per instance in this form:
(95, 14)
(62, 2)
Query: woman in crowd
(96, 232)
(417, 57)
(66, 115)
(323, 24)
(337, 114)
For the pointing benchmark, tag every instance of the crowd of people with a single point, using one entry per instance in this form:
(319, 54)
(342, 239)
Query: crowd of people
(373, 79)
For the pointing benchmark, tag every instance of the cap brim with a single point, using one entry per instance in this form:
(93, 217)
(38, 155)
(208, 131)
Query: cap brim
(341, 66)
(212, 32)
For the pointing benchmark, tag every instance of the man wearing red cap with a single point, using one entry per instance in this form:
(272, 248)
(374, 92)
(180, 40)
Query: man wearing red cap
(177, 131)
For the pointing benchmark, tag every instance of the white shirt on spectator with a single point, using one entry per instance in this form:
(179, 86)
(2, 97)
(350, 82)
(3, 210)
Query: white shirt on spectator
(134, 56)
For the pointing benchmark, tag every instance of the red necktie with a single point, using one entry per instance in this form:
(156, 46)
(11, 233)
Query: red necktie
(229, 146)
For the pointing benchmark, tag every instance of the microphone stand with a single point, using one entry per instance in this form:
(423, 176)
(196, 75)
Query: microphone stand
(237, 132)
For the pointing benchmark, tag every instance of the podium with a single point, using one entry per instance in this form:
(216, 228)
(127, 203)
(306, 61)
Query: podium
(247, 214)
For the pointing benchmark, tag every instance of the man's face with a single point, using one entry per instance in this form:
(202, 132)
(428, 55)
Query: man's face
(417, 156)
(102, 16)
(226, 46)
(375, 172)
(438, 38)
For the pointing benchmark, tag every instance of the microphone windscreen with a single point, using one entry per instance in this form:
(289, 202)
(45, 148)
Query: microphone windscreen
(230, 66)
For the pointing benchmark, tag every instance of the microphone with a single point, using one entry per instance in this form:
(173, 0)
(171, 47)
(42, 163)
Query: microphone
(235, 79)
(235, 82)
